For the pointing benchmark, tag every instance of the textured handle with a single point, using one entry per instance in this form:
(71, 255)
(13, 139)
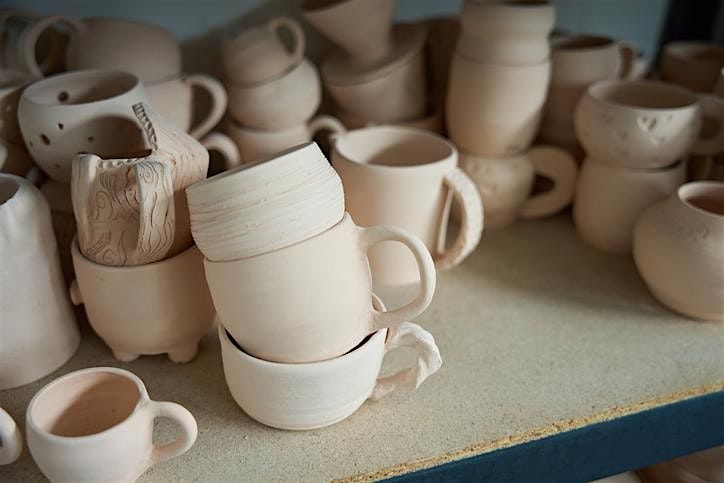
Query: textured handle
(29, 39)
(223, 144)
(156, 217)
(627, 53)
(471, 227)
(12, 441)
(376, 234)
(428, 359)
(712, 108)
(219, 101)
(183, 418)
(326, 123)
(559, 166)
(298, 40)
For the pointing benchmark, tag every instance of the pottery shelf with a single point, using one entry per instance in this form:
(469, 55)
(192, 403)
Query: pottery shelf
(559, 366)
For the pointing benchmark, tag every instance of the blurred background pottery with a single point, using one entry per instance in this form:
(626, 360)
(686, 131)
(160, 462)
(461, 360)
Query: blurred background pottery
(12, 439)
(694, 65)
(12, 83)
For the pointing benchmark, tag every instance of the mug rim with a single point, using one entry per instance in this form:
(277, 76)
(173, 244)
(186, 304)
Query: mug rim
(498, 65)
(681, 48)
(689, 190)
(68, 78)
(154, 266)
(561, 47)
(142, 398)
(593, 93)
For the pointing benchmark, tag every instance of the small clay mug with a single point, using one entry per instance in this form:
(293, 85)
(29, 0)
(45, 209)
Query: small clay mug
(407, 178)
(311, 301)
(318, 394)
(96, 424)
(258, 54)
(11, 438)
(256, 143)
(12, 83)
(174, 99)
(694, 65)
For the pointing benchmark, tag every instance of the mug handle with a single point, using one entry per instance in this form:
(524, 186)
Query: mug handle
(183, 418)
(29, 39)
(326, 123)
(711, 107)
(157, 216)
(223, 144)
(12, 440)
(429, 360)
(471, 227)
(219, 101)
(627, 54)
(278, 23)
(375, 234)
(558, 165)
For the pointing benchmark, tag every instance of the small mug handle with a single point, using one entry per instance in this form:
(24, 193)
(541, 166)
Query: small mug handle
(325, 123)
(627, 54)
(278, 23)
(472, 219)
(429, 360)
(223, 144)
(12, 440)
(558, 165)
(29, 39)
(712, 107)
(219, 101)
(189, 430)
(375, 234)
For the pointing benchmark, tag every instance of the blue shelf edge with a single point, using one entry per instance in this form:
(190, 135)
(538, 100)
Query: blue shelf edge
(595, 451)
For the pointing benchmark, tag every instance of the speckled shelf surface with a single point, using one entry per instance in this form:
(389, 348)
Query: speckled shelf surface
(539, 334)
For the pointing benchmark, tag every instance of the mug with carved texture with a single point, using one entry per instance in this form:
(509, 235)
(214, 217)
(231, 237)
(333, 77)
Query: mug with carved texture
(96, 424)
(407, 178)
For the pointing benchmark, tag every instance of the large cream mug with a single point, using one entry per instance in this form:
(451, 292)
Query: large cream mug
(311, 301)
(406, 177)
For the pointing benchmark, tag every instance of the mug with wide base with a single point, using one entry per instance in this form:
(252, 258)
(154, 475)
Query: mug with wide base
(12, 440)
(96, 425)
(318, 394)
(158, 308)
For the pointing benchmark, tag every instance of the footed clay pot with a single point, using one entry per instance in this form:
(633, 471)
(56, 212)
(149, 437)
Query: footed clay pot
(171, 309)
(133, 211)
(694, 65)
(285, 101)
(12, 82)
(147, 51)
(677, 249)
(12, 439)
(269, 204)
(318, 394)
(85, 111)
(258, 54)
(14, 159)
(97, 425)
(174, 100)
(37, 327)
(311, 301)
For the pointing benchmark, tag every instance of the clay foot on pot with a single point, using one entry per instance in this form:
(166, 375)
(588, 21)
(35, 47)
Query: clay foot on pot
(125, 356)
(184, 353)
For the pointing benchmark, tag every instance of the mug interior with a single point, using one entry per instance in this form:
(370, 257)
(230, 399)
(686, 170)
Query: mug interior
(84, 403)
(707, 197)
(80, 88)
(583, 42)
(642, 94)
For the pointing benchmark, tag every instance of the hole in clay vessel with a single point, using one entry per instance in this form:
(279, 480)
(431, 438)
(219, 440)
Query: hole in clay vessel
(541, 184)
(8, 188)
(45, 139)
(8, 108)
(63, 96)
(85, 404)
(56, 165)
(30, 143)
(90, 139)
(60, 126)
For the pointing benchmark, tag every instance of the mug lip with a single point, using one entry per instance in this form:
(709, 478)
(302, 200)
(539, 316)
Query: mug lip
(450, 158)
(68, 78)
(562, 47)
(499, 65)
(688, 190)
(512, 4)
(235, 126)
(330, 7)
(678, 164)
(142, 399)
(592, 92)
(680, 49)
(76, 254)
(287, 75)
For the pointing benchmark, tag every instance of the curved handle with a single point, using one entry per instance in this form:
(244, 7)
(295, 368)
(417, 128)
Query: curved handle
(712, 108)
(471, 227)
(375, 234)
(428, 359)
(627, 53)
(325, 123)
(12, 441)
(156, 217)
(223, 144)
(298, 40)
(75, 294)
(29, 38)
(189, 431)
(219, 101)
(558, 165)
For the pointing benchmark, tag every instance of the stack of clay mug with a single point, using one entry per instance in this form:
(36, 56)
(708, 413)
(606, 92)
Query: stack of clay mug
(302, 334)
(273, 91)
(636, 135)
(498, 82)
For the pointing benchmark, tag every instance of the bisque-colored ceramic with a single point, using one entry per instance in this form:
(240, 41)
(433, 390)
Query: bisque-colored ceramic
(50, 47)
(694, 65)
(505, 184)
(258, 54)
(37, 327)
(61, 213)
(432, 122)
(96, 425)
(225, 146)
(132, 211)
(495, 109)
(147, 51)
(266, 205)
(14, 159)
(257, 143)
(84, 111)
(311, 301)
(12, 440)
(12, 83)
(285, 101)
(701, 467)
(407, 178)
(646, 124)
(609, 199)
(677, 249)
(361, 28)
(318, 394)
(174, 100)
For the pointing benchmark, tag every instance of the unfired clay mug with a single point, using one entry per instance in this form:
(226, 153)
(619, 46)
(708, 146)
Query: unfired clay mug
(12, 82)
(12, 440)
(311, 301)
(256, 143)
(317, 394)
(96, 425)
(406, 178)
(694, 65)
(258, 54)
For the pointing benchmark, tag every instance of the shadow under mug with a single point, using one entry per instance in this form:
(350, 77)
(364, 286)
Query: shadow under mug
(97, 425)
